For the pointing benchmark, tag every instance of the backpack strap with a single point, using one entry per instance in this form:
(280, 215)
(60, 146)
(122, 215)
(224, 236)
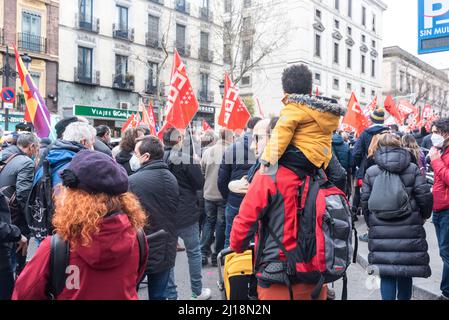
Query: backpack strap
(59, 260)
(142, 240)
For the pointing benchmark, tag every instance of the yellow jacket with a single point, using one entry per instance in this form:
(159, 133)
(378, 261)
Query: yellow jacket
(307, 122)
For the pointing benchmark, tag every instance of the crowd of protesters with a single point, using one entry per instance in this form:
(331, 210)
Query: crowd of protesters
(215, 190)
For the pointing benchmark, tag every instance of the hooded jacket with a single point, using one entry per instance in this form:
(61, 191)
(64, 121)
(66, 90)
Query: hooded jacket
(123, 158)
(398, 248)
(158, 192)
(307, 122)
(441, 183)
(360, 151)
(108, 267)
(341, 150)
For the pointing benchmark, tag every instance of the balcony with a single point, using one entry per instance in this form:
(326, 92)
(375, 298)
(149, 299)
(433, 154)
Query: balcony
(206, 14)
(30, 42)
(161, 2)
(150, 88)
(182, 7)
(123, 33)
(206, 55)
(84, 24)
(205, 96)
(183, 49)
(123, 82)
(81, 76)
(153, 41)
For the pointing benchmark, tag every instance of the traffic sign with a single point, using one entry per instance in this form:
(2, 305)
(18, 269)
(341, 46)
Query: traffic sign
(8, 95)
(433, 26)
(8, 105)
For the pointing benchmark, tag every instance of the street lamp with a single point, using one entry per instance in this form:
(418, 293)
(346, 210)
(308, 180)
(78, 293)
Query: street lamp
(222, 88)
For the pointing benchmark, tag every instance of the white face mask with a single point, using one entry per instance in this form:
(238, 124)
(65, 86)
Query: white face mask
(134, 163)
(437, 141)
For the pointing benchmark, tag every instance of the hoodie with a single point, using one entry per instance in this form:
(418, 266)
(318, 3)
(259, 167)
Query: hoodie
(306, 122)
(108, 267)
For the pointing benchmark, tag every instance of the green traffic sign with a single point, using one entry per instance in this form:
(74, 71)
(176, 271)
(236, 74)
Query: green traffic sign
(102, 113)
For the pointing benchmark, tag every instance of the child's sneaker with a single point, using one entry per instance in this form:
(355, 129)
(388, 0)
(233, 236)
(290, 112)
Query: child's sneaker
(205, 295)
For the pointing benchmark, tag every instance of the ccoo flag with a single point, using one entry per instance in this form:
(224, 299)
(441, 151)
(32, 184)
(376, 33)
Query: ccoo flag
(36, 110)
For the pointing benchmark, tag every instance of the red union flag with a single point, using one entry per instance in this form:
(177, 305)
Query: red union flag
(415, 122)
(234, 115)
(206, 126)
(355, 117)
(406, 108)
(427, 112)
(148, 118)
(182, 104)
(390, 106)
(370, 109)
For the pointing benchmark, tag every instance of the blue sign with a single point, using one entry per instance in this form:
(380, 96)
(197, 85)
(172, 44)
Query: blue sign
(433, 26)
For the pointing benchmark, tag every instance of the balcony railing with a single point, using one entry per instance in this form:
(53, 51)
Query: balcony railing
(161, 2)
(81, 76)
(206, 14)
(183, 49)
(30, 42)
(184, 8)
(123, 82)
(205, 96)
(153, 41)
(150, 88)
(92, 25)
(206, 55)
(123, 33)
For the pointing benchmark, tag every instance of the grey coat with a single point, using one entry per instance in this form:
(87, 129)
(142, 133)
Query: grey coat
(398, 248)
(100, 146)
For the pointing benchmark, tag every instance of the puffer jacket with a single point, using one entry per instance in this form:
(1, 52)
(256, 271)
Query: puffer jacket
(398, 248)
(341, 150)
(307, 122)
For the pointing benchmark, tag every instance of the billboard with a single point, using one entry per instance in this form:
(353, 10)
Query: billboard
(433, 26)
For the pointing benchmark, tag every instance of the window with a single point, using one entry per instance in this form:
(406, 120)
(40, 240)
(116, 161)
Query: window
(364, 16)
(31, 32)
(228, 6)
(246, 24)
(318, 14)
(348, 86)
(121, 65)
(204, 41)
(374, 23)
(180, 37)
(85, 12)
(318, 45)
(373, 68)
(337, 4)
(349, 8)
(401, 81)
(363, 64)
(336, 84)
(349, 59)
(363, 91)
(337, 24)
(84, 64)
(317, 78)
(246, 81)
(122, 18)
(373, 43)
(349, 31)
(246, 51)
(153, 28)
(246, 3)
(36, 76)
(336, 53)
(204, 78)
(152, 74)
(181, 5)
(363, 38)
(373, 93)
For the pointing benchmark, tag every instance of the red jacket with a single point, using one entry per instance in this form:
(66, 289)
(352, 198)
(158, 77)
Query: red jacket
(441, 183)
(108, 267)
(275, 201)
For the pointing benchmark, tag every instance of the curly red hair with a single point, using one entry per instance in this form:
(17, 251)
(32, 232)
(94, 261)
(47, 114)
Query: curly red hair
(78, 213)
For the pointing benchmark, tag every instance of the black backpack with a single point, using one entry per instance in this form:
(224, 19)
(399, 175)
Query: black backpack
(389, 199)
(59, 261)
(40, 207)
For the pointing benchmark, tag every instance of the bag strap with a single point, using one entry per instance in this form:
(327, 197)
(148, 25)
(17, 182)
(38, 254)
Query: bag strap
(142, 239)
(59, 261)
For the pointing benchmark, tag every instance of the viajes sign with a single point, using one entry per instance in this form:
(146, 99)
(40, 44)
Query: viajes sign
(102, 113)
(433, 26)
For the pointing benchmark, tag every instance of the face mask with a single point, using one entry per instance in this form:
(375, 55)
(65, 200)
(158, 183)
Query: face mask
(134, 163)
(437, 141)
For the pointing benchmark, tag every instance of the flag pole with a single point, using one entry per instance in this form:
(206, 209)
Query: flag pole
(191, 138)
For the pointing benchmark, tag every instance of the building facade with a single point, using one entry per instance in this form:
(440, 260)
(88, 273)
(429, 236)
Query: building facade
(117, 53)
(407, 76)
(340, 41)
(31, 25)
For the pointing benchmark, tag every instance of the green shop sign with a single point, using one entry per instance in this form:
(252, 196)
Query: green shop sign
(102, 113)
(13, 118)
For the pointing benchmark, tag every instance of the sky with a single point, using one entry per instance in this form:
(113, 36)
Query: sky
(400, 23)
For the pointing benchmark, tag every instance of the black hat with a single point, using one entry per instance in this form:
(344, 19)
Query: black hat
(95, 172)
(378, 116)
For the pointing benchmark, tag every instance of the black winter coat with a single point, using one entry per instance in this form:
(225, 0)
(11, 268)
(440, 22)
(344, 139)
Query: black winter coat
(101, 146)
(123, 158)
(157, 190)
(398, 248)
(190, 179)
(237, 161)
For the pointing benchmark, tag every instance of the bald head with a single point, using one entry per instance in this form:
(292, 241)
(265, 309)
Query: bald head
(260, 136)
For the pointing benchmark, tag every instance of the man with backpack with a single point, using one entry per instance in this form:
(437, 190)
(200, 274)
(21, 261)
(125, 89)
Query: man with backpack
(16, 182)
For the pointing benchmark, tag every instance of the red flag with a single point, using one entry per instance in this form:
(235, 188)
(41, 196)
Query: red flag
(149, 119)
(370, 109)
(317, 92)
(414, 123)
(406, 108)
(261, 114)
(234, 114)
(129, 123)
(182, 104)
(206, 126)
(427, 112)
(355, 117)
(390, 106)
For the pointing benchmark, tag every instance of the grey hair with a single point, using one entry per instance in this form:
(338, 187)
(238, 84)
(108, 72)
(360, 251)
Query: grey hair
(79, 131)
(27, 139)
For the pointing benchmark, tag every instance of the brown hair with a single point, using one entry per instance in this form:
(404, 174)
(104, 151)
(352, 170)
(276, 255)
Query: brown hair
(79, 213)
(128, 142)
(389, 140)
(409, 142)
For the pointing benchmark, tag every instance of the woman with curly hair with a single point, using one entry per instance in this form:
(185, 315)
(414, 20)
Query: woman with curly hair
(99, 221)
(127, 146)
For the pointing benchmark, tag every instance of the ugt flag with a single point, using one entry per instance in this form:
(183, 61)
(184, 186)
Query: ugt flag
(355, 117)
(234, 115)
(36, 110)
